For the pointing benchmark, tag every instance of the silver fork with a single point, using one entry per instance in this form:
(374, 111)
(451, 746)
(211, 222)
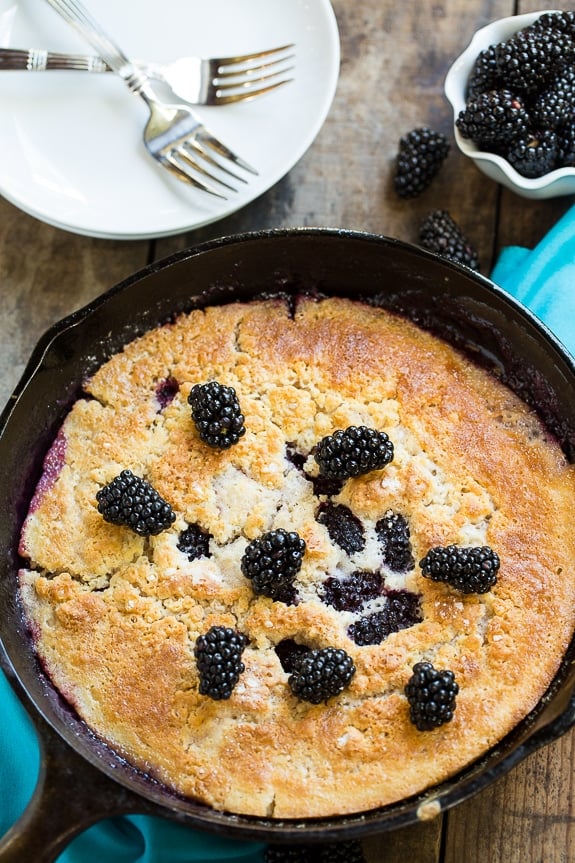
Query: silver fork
(198, 80)
(173, 135)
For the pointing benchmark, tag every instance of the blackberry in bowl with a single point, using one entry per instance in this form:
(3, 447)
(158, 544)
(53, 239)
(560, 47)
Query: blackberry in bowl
(512, 92)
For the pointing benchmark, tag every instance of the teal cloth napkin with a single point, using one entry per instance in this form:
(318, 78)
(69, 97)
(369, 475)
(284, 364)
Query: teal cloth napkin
(130, 839)
(543, 278)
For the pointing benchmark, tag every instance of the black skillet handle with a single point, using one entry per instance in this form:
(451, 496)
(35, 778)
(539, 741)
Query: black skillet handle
(70, 796)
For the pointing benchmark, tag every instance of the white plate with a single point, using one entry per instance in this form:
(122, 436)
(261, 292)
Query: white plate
(71, 150)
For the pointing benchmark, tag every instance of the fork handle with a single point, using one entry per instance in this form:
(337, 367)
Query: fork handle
(39, 60)
(78, 17)
(75, 14)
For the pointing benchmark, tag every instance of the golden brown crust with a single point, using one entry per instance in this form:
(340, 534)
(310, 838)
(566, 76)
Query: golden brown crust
(116, 616)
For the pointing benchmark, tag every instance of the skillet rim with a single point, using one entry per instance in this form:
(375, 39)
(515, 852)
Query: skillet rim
(555, 712)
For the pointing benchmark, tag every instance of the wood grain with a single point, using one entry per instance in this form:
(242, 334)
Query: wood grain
(45, 274)
(526, 816)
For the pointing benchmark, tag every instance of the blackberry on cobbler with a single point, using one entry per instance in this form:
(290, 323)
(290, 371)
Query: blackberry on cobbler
(130, 501)
(493, 119)
(370, 629)
(469, 569)
(166, 391)
(289, 653)
(431, 696)
(194, 542)
(420, 155)
(440, 233)
(536, 154)
(321, 674)
(217, 414)
(353, 592)
(402, 610)
(218, 655)
(353, 451)
(344, 528)
(394, 538)
(272, 561)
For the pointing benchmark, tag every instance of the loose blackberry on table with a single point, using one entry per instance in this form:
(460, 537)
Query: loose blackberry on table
(420, 155)
(468, 569)
(431, 696)
(441, 234)
(130, 501)
(217, 414)
(219, 659)
(272, 561)
(352, 452)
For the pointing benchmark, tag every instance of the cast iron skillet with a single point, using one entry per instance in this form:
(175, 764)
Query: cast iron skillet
(81, 780)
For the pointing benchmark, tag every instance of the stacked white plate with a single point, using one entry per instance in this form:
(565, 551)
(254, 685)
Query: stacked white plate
(71, 150)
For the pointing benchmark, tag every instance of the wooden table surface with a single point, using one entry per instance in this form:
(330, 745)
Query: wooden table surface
(394, 59)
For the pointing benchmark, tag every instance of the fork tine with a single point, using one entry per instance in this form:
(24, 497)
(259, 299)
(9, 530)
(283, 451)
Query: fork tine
(247, 58)
(208, 139)
(224, 98)
(251, 79)
(169, 161)
(223, 73)
(193, 145)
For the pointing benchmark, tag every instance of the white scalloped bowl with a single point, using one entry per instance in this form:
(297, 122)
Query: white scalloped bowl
(551, 185)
